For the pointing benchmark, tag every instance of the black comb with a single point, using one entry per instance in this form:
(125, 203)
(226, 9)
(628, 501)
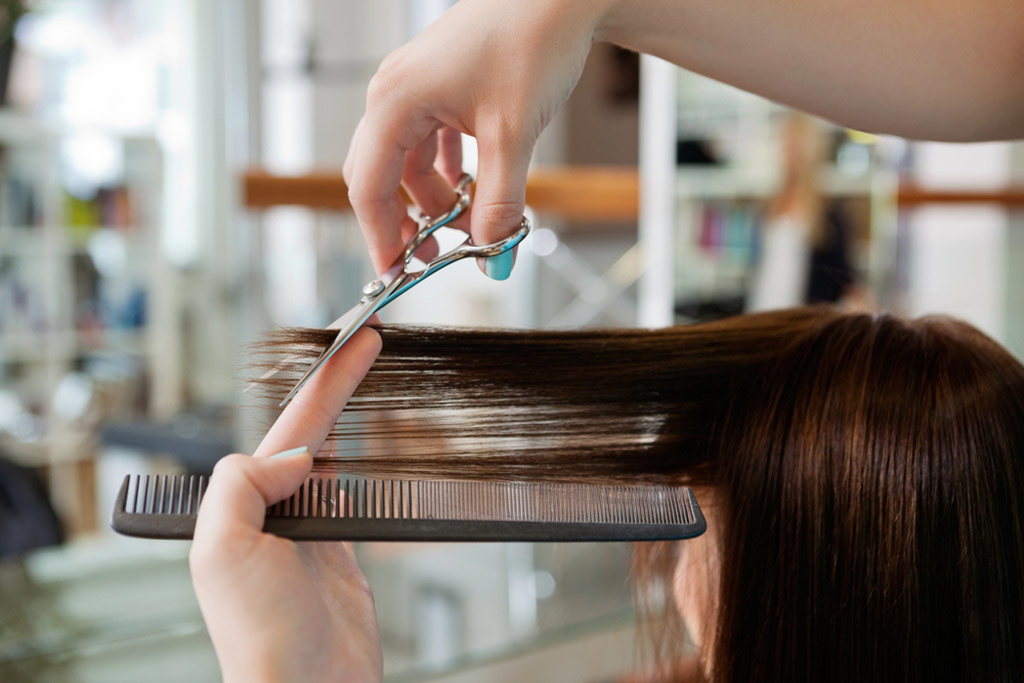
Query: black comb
(356, 509)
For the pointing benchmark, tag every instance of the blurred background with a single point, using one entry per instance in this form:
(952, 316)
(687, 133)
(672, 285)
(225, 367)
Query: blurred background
(170, 189)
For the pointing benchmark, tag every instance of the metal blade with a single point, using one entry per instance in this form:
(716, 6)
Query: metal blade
(360, 316)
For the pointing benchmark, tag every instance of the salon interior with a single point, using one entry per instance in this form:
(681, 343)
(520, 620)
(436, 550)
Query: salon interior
(171, 190)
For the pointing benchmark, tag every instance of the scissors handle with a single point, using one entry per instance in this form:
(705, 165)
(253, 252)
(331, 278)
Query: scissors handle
(399, 278)
(465, 250)
(428, 226)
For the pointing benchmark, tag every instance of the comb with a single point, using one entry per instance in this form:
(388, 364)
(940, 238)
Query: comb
(358, 509)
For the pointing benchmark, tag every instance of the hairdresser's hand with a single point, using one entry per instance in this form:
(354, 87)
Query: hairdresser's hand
(277, 610)
(493, 69)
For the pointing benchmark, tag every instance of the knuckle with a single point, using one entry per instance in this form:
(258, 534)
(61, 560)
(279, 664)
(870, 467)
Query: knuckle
(509, 132)
(358, 583)
(354, 195)
(358, 192)
(229, 463)
(499, 215)
(385, 82)
(315, 409)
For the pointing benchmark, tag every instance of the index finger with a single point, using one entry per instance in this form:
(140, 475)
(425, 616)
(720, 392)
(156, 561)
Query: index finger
(312, 413)
(378, 162)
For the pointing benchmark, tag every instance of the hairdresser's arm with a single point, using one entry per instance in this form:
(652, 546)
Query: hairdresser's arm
(499, 70)
(278, 610)
(929, 69)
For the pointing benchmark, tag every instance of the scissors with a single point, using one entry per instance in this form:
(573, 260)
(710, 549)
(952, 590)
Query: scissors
(403, 274)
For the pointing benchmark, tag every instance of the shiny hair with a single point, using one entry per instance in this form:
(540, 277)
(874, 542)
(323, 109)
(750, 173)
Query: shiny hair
(869, 470)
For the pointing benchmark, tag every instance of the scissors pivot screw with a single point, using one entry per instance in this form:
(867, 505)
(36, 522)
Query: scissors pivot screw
(372, 289)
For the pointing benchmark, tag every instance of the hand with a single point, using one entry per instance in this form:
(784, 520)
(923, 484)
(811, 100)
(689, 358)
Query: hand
(277, 610)
(492, 69)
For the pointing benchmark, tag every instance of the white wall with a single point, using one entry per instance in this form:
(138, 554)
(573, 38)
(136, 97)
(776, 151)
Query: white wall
(957, 255)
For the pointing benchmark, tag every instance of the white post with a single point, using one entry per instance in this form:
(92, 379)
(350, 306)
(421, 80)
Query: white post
(658, 80)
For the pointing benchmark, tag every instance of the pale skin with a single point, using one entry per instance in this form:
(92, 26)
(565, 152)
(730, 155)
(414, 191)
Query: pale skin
(694, 586)
(277, 610)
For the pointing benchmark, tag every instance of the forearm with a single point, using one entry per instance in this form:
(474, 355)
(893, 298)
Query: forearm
(932, 69)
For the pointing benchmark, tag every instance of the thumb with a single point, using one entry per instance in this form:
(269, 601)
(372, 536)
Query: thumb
(499, 201)
(242, 487)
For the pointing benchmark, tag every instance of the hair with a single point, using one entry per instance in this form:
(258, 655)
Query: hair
(868, 470)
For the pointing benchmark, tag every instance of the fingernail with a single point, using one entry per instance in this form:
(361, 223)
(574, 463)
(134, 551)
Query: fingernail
(500, 267)
(292, 451)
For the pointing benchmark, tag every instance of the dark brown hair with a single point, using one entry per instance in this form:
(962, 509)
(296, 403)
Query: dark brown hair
(869, 469)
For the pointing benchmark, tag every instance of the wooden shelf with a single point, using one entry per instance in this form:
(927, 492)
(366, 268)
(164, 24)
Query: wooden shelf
(315, 190)
(593, 193)
(1010, 197)
(599, 194)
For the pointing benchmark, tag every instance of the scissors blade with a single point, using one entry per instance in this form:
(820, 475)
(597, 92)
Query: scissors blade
(360, 315)
(397, 279)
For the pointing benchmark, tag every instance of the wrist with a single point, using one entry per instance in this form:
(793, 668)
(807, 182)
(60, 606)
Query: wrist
(252, 673)
(647, 26)
(576, 16)
(611, 21)
(255, 664)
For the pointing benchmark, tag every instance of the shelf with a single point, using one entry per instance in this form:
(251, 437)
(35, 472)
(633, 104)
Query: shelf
(32, 127)
(77, 295)
(24, 348)
(65, 445)
(610, 193)
(1010, 197)
(595, 193)
(712, 182)
(59, 239)
(68, 345)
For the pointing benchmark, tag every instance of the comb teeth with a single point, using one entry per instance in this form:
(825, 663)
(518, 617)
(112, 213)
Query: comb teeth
(164, 495)
(388, 509)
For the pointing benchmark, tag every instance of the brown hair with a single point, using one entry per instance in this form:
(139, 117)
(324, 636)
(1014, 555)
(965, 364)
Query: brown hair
(870, 470)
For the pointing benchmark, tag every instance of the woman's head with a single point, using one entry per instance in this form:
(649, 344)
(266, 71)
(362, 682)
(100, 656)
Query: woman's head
(869, 498)
(863, 475)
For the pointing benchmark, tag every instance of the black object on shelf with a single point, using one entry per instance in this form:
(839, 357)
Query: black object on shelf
(706, 310)
(695, 153)
(27, 519)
